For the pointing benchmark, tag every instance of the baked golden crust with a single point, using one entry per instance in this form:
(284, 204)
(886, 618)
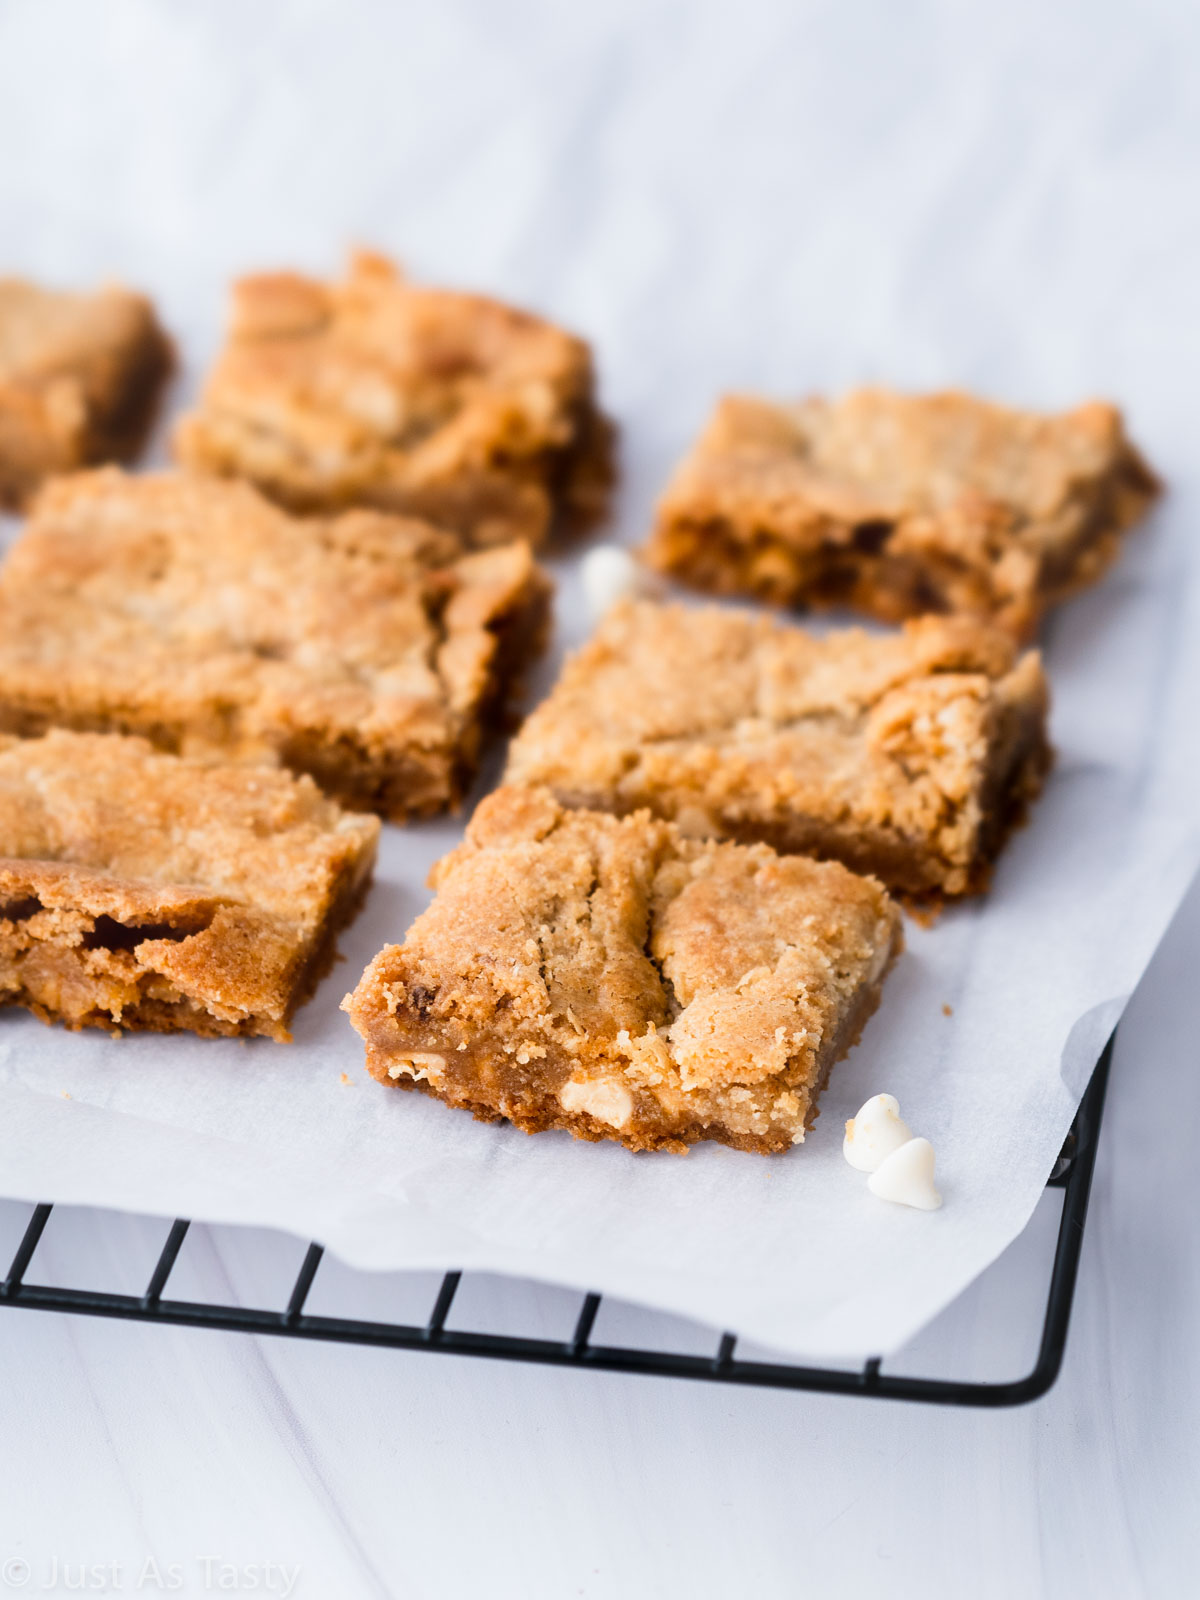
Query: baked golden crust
(376, 392)
(908, 755)
(365, 649)
(80, 376)
(611, 977)
(146, 891)
(898, 505)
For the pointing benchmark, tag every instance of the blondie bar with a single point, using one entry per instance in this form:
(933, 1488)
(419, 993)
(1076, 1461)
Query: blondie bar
(907, 755)
(898, 505)
(376, 392)
(147, 891)
(80, 375)
(611, 977)
(366, 650)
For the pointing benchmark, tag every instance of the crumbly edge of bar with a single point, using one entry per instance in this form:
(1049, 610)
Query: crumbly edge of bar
(398, 785)
(409, 789)
(921, 880)
(115, 431)
(549, 1114)
(484, 506)
(587, 473)
(849, 564)
(1017, 762)
(118, 434)
(187, 1014)
(564, 488)
(1127, 496)
(561, 492)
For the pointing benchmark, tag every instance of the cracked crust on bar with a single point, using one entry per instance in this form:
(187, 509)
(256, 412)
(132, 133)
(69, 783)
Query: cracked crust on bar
(376, 392)
(366, 650)
(898, 505)
(146, 891)
(611, 977)
(907, 755)
(80, 378)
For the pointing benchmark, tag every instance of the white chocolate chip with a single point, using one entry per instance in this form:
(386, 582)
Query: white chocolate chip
(608, 574)
(874, 1133)
(425, 1064)
(906, 1177)
(598, 1097)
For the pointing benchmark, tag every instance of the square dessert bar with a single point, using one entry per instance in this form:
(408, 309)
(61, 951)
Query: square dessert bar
(900, 504)
(608, 976)
(375, 392)
(366, 650)
(908, 755)
(146, 891)
(80, 375)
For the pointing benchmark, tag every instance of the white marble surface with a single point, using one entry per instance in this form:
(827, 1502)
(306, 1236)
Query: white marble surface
(501, 124)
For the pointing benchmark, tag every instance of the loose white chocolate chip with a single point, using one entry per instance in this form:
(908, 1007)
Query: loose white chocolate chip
(598, 1097)
(609, 574)
(874, 1133)
(906, 1177)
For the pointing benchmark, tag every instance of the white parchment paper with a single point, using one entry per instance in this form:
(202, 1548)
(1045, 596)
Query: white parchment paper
(896, 203)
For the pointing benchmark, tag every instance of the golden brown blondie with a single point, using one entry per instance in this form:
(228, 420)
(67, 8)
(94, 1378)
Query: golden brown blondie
(376, 392)
(908, 755)
(366, 650)
(142, 890)
(898, 505)
(80, 375)
(611, 977)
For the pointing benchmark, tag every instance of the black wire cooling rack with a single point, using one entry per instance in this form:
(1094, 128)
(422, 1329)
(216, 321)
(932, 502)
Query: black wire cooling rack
(1072, 1176)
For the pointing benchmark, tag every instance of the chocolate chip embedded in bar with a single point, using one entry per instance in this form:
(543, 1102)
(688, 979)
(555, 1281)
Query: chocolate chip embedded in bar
(145, 891)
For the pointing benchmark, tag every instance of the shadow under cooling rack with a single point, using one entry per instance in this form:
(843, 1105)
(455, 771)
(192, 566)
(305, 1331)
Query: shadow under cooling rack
(1072, 1175)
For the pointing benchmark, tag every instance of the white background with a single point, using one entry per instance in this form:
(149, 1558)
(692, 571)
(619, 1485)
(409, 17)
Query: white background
(863, 144)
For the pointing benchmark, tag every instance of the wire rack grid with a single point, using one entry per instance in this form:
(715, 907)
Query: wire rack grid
(1072, 1176)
